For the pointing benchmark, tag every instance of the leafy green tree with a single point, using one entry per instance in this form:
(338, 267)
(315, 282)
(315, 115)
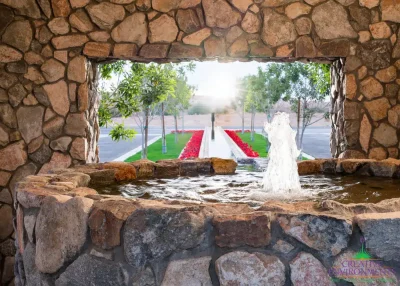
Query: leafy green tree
(140, 90)
(179, 101)
(305, 87)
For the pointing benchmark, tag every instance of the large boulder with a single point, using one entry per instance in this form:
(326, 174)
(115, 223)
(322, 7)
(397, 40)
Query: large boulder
(191, 271)
(220, 14)
(327, 234)
(155, 231)
(243, 268)
(223, 166)
(251, 229)
(277, 29)
(61, 231)
(382, 234)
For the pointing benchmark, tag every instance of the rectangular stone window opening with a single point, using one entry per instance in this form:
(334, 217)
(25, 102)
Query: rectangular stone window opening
(227, 84)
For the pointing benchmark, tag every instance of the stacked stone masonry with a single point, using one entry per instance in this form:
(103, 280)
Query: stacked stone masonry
(68, 234)
(49, 50)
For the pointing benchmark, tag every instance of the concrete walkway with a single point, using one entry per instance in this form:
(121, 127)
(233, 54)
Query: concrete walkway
(218, 147)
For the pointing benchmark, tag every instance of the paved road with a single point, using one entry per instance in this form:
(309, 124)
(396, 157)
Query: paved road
(315, 142)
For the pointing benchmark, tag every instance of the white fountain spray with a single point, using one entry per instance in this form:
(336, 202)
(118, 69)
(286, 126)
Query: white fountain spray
(281, 176)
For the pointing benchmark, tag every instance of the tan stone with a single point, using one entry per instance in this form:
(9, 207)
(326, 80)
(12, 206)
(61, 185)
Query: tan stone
(4, 137)
(365, 133)
(369, 3)
(4, 178)
(132, 30)
(76, 124)
(106, 220)
(13, 156)
(62, 56)
(371, 88)
(377, 153)
(123, 171)
(187, 20)
(168, 5)
(47, 52)
(239, 230)
(58, 161)
(198, 37)
(99, 36)
(79, 149)
(305, 47)
(306, 265)
(351, 86)
(53, 70)
(61, 144)
(390, 11)
(303, 26)
(8, 55)
(125, 50)
(285, 51)
(178, 50)
(77, 69)
(387, 75)
(163, 30)
(80, 21)
(61, 230)
(59, 26)
(101, 16)
(58, 96)
(251, 23)
(364, 36)
(97, 50)
(223, 166)
(28, 124)
(18, 34)
(79, 3)
(233, 33)
(380, 30)
(196, 272)
(242, 5)
(53, 128)
(242, 268)
(328, 27)
(385, 135)
(394, 116)
(297, 9)
(154, 51)
(24, 7)
(276, 3)
(215, 47)
(83, 97)
(72, 91)
(61, 8)
(34, 75)
(277, 29)
(260, 50)
(239, 48)
(378, 108)
(69, 41)
(220, 14)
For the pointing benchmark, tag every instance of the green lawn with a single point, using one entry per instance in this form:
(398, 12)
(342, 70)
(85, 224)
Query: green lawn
(173, 150)
(259, 144)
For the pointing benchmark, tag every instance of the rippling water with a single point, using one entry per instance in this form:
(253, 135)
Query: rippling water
(246, 184)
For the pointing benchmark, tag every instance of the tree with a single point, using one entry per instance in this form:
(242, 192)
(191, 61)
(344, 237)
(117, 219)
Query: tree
(141, 89)
(180, 100)
(239, 102)
(305, 87)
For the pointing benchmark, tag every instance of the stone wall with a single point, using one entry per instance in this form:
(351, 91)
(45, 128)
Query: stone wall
(68, 234)
(47, 84)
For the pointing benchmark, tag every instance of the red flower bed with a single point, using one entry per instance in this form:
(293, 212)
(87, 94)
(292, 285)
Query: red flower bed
(246, 148)
(192, 148)
(240, 130)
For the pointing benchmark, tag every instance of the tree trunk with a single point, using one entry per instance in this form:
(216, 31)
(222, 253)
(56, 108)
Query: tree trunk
(146, 132)
(243, 120)
(303, 125)
(298, 123)
(176, 128)
(183, 121)
(164, 140)
(142, 131)
(252, 126)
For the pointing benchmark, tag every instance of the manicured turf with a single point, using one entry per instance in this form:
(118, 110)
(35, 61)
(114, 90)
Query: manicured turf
(173, 150)
(259, 144)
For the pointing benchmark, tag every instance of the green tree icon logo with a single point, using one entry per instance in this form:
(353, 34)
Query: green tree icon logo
(362, 254)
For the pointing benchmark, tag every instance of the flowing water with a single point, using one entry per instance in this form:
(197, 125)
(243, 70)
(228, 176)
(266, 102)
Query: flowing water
(246, 181)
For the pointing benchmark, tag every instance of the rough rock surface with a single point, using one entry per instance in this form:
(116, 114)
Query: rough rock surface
(328, 235)
(192, 271)
(242, 268)
(61, 231)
